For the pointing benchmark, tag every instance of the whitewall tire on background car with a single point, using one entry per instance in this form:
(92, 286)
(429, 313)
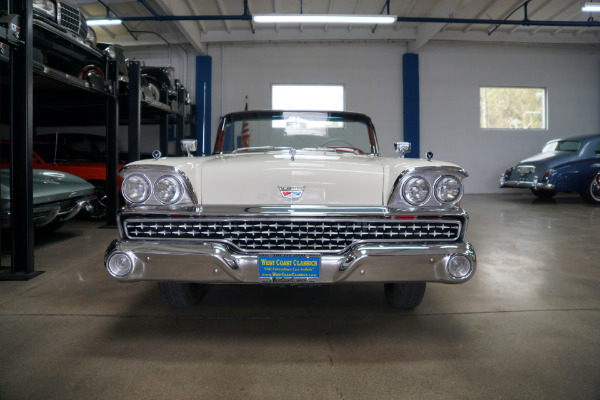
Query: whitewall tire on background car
(592, 193)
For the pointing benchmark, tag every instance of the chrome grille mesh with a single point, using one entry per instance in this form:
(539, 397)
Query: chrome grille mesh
(71, 18)
(276, 235)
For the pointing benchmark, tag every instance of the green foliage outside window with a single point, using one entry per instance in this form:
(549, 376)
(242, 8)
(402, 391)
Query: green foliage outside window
(512, 108)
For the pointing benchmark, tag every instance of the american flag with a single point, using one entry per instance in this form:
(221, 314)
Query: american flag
(246, 130)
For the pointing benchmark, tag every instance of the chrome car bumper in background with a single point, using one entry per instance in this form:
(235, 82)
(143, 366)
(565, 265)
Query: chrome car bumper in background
(535, 184)
(44, 214)
(180, 261)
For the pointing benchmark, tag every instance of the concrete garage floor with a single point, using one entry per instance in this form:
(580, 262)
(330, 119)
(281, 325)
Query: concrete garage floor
(525, 327)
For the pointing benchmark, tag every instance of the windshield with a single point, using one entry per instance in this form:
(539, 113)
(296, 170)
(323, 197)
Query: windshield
(334, 131)
(562, 145)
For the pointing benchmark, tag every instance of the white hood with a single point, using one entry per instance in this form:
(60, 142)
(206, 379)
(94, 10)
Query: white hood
(324, 179)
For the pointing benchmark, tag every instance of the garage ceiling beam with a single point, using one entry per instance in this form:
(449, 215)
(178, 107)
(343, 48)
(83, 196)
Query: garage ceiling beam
(426, 32)
(524, 22)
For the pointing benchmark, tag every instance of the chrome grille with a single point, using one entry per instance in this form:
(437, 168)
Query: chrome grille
(71, 18)
(525, 169)
(277, 235)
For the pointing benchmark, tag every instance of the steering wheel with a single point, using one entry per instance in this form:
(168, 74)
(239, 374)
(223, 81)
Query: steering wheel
(337, 140)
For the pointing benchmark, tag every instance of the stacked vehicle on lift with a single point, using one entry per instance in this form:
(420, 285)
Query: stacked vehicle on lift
(66, 49)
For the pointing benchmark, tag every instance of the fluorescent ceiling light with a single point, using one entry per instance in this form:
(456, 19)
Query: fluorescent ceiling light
(323, 19)
(591, 7)
(111, 21)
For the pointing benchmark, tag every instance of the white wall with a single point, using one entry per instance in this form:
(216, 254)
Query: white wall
(450, 77)
(371, 75)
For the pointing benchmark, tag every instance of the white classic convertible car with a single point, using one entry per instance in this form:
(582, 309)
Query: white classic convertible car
(292, 198)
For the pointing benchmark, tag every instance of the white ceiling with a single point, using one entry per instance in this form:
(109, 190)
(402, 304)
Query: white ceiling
(201, 33)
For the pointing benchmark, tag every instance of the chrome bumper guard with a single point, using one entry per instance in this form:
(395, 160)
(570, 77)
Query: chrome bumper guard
(131, 261)
(43, 215)
(46, 214)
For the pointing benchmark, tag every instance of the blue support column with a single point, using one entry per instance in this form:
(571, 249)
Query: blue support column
(412, 121)
(203, 103)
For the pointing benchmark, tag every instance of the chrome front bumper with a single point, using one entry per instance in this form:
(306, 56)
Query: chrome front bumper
(215, 263)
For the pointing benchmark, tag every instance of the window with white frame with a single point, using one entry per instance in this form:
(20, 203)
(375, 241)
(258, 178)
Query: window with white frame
(513, 108)
(307, 97)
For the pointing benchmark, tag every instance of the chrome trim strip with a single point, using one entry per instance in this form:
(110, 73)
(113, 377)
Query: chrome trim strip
(292, 210)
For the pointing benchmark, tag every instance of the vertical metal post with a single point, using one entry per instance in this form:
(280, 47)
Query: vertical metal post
(203, 102)
(180, 121)
(135, 107)
(164, 134)
(112, 146)
(411, 100)
(21, 145)
(203, 120)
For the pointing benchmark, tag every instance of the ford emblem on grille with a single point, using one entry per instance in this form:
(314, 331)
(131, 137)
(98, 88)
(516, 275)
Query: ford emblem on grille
(291, 192)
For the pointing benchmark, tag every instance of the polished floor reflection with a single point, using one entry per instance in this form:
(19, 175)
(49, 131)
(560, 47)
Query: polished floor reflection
(525, 327)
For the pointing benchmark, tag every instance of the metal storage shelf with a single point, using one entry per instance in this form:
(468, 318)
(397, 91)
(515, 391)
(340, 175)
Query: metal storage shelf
(46, 96)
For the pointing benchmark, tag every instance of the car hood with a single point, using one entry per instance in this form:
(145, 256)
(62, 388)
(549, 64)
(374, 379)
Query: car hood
(49, 186)
(308, 178)
(273, 178)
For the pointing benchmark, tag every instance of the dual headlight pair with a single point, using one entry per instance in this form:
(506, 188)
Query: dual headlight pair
(417, 190)
(166, 189)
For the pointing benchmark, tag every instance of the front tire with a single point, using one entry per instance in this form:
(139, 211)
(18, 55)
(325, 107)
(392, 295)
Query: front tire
(404, 295)
(181, 295)
(592, 190)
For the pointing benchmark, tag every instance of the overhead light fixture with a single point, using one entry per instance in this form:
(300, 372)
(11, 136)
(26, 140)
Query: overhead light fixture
(323, 19)
(106, 21)
(590, 7)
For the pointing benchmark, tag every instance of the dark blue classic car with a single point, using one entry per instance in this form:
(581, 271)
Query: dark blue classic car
(564, 165)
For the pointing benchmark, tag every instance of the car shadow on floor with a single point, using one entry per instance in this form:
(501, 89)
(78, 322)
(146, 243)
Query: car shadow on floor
(40, 241)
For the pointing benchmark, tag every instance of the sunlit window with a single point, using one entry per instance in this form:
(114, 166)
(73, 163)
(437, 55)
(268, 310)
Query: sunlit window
(308, 97)
(512, 108)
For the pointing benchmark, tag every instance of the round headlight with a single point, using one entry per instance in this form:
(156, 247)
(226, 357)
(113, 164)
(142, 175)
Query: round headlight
(167, 189)
(416, 190)
(448, 189)
(135, 188)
